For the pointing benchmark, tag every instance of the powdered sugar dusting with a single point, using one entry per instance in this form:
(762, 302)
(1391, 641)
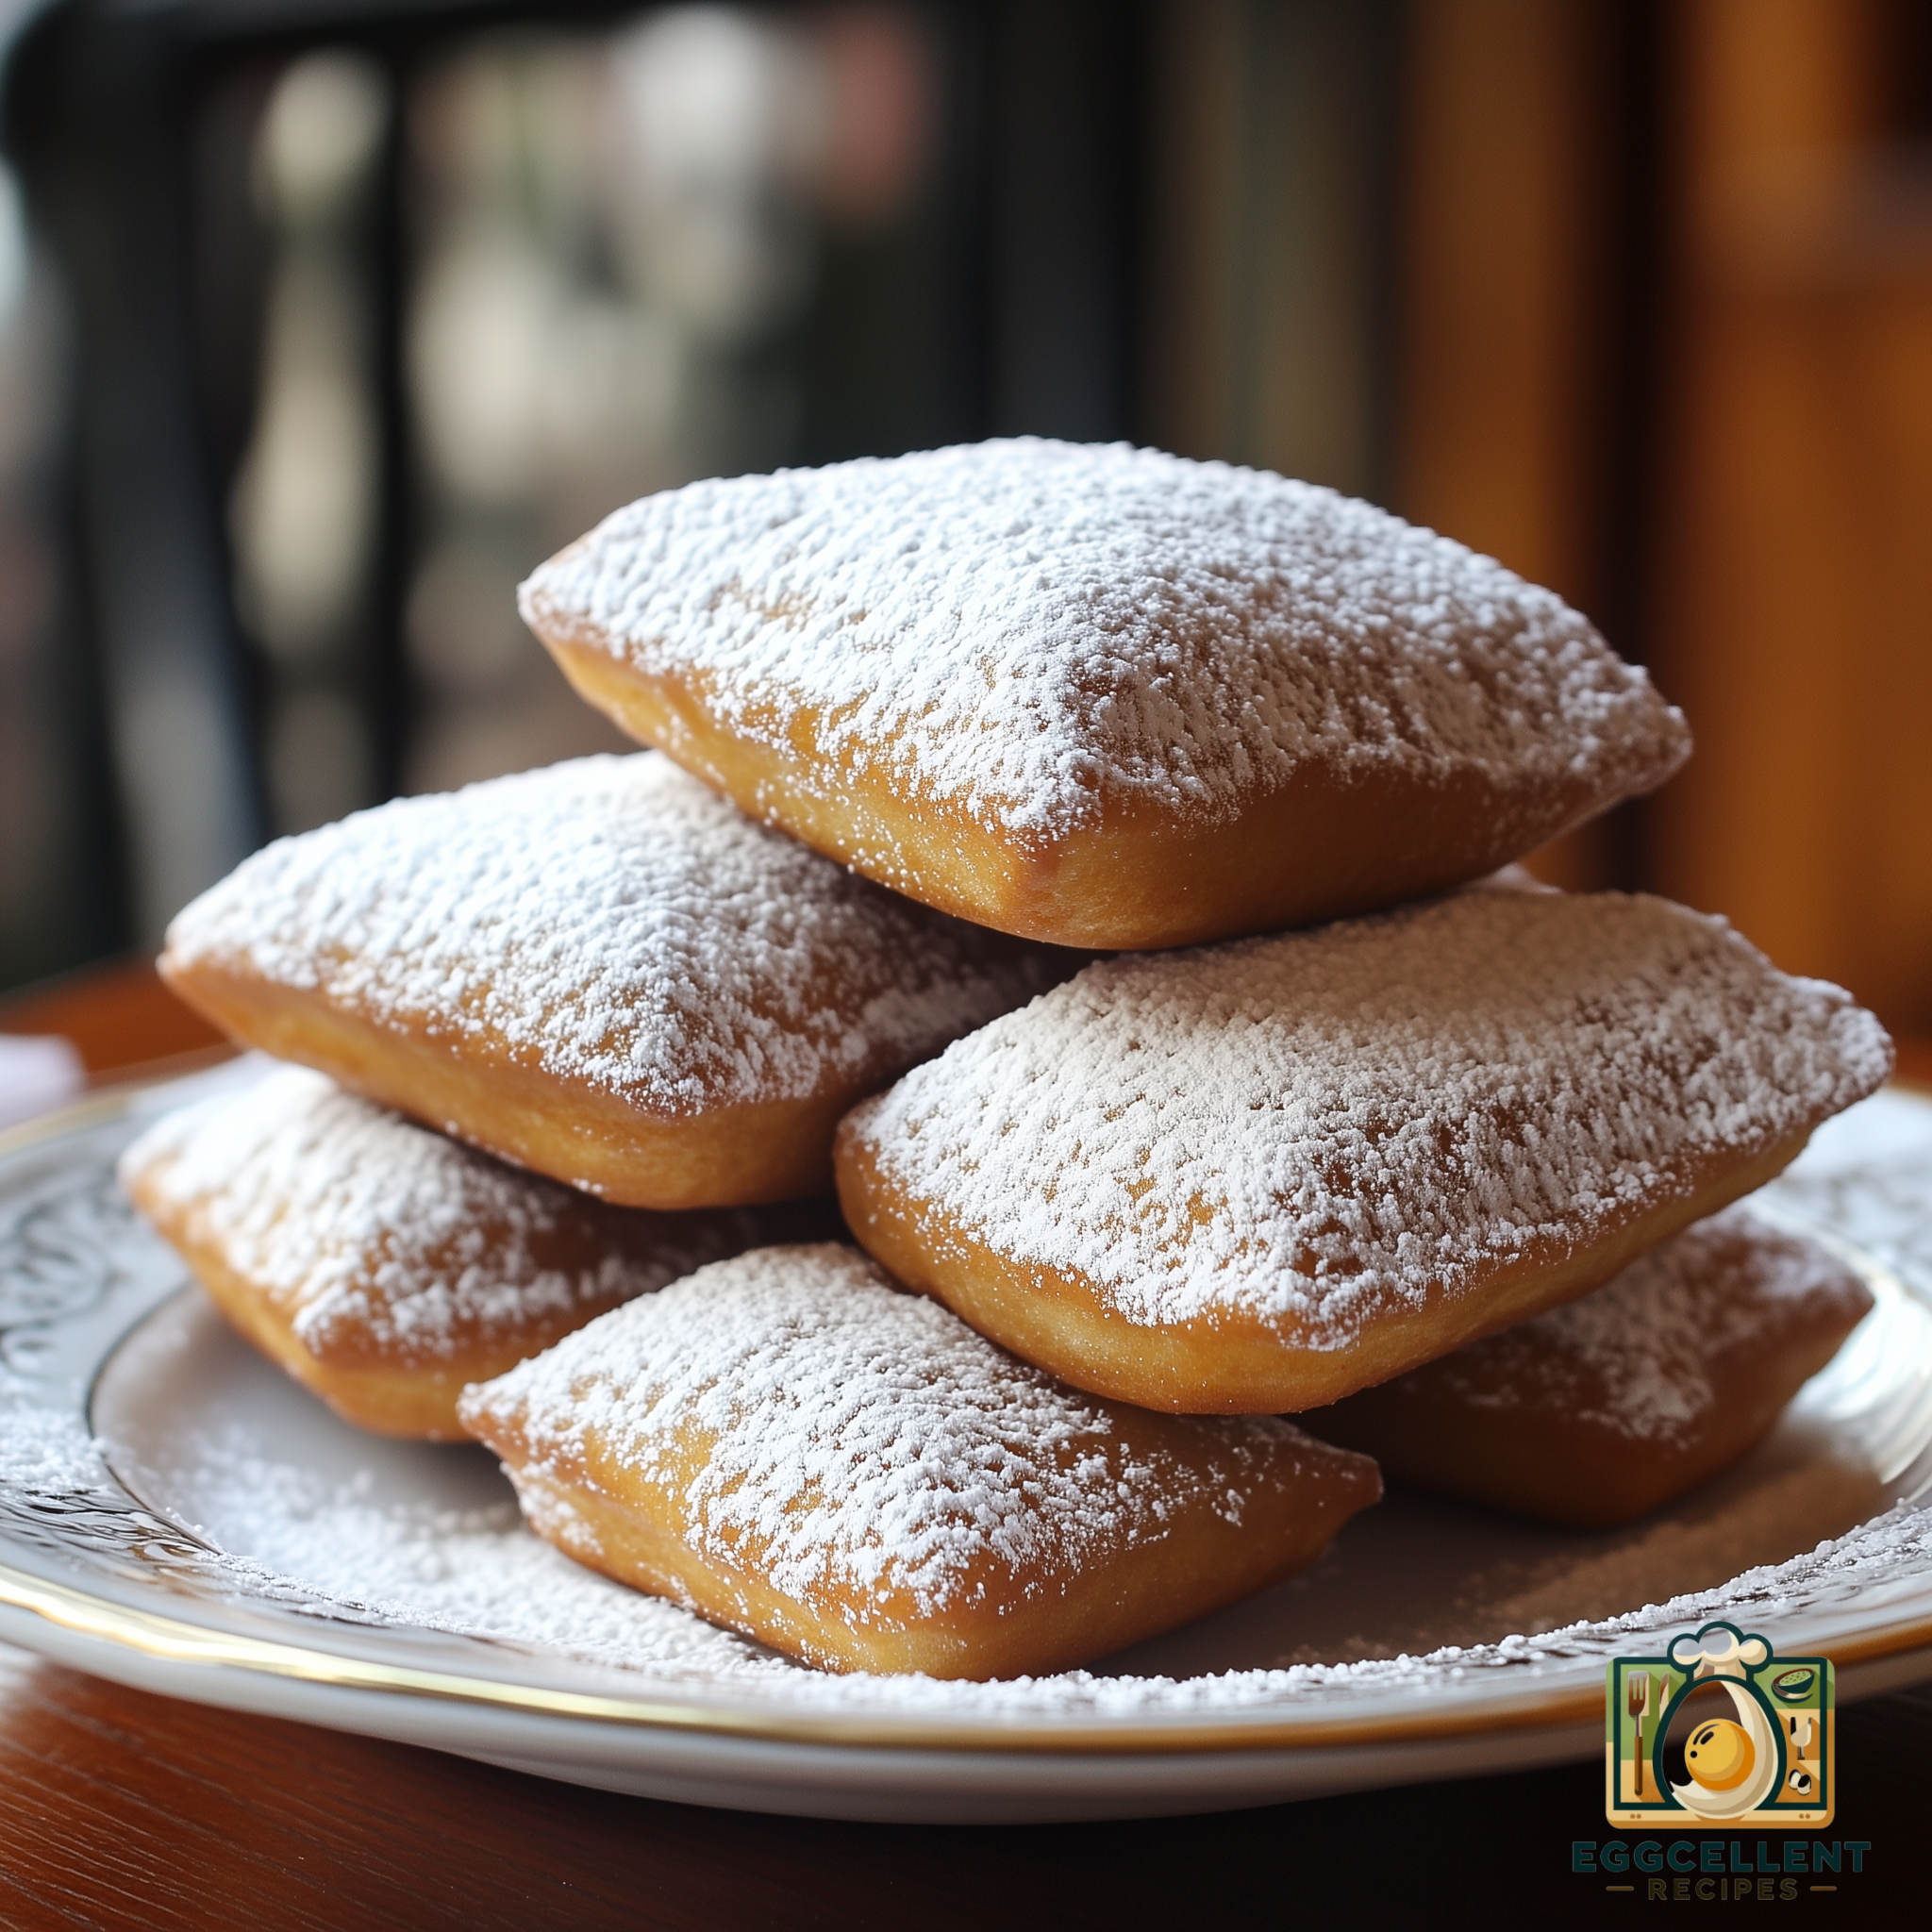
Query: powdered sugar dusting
(312, 1541)
(1637, 1357)
(376, 1236)
(1306, 1128)
(474, 1570)
(470, 1568)
(861, 1440)
(1032, 631)
(611, 920)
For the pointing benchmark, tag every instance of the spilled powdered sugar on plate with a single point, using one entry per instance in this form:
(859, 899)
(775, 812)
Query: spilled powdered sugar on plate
(478, 1573)
(473, 1570)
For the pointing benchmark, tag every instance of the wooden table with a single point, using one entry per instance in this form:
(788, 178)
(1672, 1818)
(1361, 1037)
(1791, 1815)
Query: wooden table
(122, 1809)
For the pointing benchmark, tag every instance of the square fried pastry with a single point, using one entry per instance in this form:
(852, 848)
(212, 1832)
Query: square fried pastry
(1263, 1175)
(1102, 696)
(1599, 1411)
(601, 972)
(789, 1445)
(384, 1266)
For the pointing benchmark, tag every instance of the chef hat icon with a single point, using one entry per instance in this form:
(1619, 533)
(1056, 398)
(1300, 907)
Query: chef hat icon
(1719, 1650)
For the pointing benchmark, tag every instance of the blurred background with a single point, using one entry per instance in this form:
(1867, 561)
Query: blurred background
(320, 324)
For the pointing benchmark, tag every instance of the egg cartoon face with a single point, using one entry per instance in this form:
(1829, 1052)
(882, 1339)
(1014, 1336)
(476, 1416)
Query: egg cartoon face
(1719, 1754)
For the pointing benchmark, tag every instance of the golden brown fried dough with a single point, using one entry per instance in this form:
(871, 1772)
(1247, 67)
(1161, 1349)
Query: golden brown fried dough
(600, 972)
(384, 1266)
(788, 1445)
(1102, 696)
(1598, 1412)
(1261, 1176)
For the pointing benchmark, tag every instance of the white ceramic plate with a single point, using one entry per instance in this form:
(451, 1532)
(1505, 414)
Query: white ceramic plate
(177, 1514)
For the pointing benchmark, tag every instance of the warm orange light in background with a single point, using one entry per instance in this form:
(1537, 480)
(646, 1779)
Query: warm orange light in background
(1502, 431)
(1794, 596)
(1784, 592)
(1509, 360)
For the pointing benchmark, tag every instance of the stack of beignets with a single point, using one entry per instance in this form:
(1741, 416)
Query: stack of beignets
(975, 707)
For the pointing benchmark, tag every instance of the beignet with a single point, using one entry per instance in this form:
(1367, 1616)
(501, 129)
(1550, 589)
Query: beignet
(1102, 696)
(384, 1266)
(1600, 1412)
(601, 972)
(1261, 1176)
(788, 1445)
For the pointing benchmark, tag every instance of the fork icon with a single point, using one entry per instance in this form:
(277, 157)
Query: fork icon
(1639, 1702)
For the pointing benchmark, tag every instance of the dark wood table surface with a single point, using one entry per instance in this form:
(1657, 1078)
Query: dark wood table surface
(121, 1809)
